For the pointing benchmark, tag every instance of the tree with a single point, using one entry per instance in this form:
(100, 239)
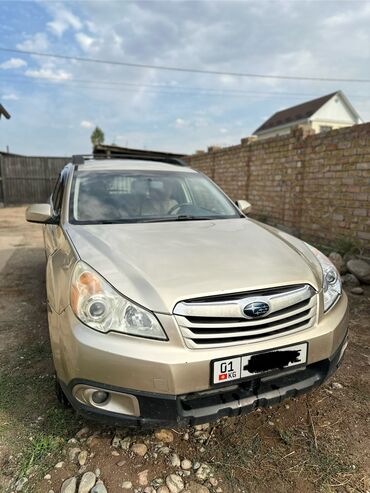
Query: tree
(97, 137)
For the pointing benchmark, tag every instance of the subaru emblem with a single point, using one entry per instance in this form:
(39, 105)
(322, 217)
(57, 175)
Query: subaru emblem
(256, 309)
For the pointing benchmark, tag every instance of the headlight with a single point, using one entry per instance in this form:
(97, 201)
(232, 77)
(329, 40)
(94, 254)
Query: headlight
(98, 305)
(332, 284)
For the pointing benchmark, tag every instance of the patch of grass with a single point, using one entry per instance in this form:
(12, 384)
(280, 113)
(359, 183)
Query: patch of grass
(285, 436)
(35, 352)
(346, 246)
(28, 405)
(41, 446)
(19, 391)
(327, 465)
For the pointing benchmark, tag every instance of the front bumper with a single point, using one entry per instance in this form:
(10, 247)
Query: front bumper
(200, 407)
(156, 383)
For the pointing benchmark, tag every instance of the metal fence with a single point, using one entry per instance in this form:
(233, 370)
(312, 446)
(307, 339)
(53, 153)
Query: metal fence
(26, 180)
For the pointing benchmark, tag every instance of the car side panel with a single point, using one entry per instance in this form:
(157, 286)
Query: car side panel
(59, 269)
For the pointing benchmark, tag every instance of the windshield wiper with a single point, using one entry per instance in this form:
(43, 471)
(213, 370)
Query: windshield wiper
(181, 217)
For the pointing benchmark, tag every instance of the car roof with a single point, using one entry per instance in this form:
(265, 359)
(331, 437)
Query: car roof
(132, 165)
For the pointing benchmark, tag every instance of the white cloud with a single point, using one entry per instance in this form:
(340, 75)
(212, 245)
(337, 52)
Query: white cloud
(35, 42)
(63, 20)
(13, 63)
(84, 41)
(349, 17)
(223, 130)
(180, 123)
(220, 36)
(49, 73)
(10, 97)
(87, 124)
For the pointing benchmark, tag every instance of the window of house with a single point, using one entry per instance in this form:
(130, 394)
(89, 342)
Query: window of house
(325, 128)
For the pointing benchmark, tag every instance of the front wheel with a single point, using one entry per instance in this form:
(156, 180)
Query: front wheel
(62, 398)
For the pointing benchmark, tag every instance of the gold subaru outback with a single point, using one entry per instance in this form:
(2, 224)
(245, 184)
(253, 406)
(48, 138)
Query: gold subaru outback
(167, 305)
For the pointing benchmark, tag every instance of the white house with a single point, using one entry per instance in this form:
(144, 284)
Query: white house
(322, 114)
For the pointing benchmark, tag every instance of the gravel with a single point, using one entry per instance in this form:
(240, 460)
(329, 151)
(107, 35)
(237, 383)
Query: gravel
(139, 449)
(82, 457)
(69, 485)
(99, 488)
(174, 483)
(165, 436)
(175, 460)
(127, 485)
(203, 472)
(87, 482)
(186, 464)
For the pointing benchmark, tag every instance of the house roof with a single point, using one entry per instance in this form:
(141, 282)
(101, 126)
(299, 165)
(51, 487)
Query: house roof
(4, 112)
(295, 113)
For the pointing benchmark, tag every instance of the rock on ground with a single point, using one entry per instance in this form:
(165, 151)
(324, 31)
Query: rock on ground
(175, 460)
(174, 483)
(338, 261)
(202, 427)
(163, 489)
(203, 472)
(69, 485)
(139, 449)
(350, 280)
(20, 483)
(186, 465)
(82, 457)
(357, 290)
(99, 488)
(87, 482)
(360, 269)
(84, 431)
(143, 477)
(125, 443)
(196, 488)
(73, 452)
(127, 485)
(165, 436)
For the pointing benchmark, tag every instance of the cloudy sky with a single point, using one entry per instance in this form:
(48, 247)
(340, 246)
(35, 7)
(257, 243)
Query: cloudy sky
(55, 103)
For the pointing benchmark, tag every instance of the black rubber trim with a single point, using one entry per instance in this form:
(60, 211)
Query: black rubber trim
(160, 410)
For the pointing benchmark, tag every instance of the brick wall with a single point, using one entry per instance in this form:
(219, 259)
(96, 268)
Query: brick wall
(316, 186)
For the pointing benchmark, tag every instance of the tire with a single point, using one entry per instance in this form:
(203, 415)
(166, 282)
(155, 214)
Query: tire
(62, 398)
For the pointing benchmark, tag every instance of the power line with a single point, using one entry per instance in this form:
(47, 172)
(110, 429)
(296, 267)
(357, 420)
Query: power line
(181, 69)
(155, 88)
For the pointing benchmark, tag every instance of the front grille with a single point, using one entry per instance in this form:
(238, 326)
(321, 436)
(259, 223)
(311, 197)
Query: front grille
(220, 320)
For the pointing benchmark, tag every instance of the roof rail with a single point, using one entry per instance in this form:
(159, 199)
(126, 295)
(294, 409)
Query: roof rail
(78, 159)
(141, 157)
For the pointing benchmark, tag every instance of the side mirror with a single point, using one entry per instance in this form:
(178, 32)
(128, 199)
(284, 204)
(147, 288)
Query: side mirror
(244, 206)
(39, 213)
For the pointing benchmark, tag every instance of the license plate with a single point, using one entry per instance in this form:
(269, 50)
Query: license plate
(255, 364)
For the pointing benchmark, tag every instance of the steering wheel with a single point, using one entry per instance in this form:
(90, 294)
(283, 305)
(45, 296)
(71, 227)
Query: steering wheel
(177, 207)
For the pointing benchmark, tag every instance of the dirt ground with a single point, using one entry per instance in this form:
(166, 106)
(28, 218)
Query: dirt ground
(319, 442)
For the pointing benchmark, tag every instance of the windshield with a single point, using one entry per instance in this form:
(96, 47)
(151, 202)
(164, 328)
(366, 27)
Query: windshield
(138, 196)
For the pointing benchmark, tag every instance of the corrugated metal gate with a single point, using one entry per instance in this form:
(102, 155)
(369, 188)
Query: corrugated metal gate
(27, 180)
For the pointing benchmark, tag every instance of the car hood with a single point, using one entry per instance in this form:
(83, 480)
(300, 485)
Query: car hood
(159, 264)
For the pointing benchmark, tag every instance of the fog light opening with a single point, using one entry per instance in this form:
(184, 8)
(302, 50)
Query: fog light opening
(100, 396)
